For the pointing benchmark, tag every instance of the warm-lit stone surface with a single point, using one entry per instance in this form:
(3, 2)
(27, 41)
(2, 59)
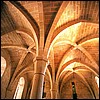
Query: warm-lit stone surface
(49, 44)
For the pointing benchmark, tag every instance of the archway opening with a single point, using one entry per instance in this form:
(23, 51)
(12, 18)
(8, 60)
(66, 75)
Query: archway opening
(3, 65)
(19, 89)
(97, 80)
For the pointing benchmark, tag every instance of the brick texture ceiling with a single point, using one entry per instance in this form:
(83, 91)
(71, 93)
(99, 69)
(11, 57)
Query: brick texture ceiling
(75, 34)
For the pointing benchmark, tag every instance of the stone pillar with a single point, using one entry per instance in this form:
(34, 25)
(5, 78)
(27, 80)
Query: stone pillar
(48, 94)
(54, 91)
(58, 95)
(47, 90)
(38, 79)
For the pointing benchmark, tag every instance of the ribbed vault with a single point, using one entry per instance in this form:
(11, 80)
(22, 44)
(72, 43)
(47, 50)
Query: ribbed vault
(67, 32)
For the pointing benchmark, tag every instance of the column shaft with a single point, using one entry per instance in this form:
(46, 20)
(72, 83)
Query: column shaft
(38, 79)
(37, 88)
(53, 94)
(54, 91)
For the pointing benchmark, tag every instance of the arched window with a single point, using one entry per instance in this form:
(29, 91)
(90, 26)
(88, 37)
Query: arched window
(3, 65)
(19, 89)
(97, 80)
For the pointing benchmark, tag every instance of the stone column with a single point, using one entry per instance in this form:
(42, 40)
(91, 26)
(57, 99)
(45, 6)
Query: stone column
(54, 91)
(47, 89)
(38, 79)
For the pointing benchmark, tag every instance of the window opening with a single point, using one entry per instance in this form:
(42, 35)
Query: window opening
(3, 65)
(19, 89)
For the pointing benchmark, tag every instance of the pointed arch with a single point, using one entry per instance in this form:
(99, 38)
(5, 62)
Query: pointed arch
(19, 89)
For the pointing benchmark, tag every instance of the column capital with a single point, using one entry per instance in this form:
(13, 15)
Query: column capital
(40, 58)
(40, 64)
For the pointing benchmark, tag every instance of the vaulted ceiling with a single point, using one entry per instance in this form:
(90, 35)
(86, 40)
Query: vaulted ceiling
(71, 32)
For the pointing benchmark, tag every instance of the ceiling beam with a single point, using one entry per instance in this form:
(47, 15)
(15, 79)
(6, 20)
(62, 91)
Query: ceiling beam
(89, 37)
(13, 46)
